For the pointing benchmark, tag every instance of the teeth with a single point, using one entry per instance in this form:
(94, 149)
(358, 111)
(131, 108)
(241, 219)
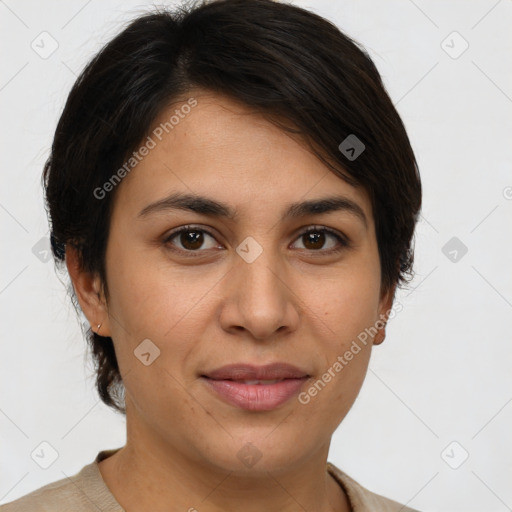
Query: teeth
(251, 382)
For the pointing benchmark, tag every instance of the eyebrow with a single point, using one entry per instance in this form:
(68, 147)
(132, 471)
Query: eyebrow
(210, 207)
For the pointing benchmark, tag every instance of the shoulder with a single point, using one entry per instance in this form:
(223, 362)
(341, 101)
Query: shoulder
(363, 500)
(83, 492)
(60, 495)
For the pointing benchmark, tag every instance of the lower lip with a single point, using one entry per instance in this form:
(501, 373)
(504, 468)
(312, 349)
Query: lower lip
(256, 397)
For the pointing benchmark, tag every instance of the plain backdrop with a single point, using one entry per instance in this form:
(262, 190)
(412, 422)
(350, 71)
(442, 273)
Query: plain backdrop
(431, 426)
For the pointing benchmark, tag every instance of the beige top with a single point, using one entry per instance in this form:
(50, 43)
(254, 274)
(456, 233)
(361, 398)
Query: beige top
(86, 491)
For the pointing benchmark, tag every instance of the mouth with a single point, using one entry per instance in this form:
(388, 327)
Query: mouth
(256, 395)
(254, 382)
(252, 388)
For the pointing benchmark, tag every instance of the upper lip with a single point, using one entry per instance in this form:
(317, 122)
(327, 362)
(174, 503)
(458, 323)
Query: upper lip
(243, 371)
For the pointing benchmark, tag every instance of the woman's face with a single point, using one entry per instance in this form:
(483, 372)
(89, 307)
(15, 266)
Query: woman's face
(248, 289)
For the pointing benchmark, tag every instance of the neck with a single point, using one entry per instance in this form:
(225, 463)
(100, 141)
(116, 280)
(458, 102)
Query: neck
(158, 481)
(150, 474)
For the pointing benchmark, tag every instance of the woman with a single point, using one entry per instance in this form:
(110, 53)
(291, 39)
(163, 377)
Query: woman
(234, 197)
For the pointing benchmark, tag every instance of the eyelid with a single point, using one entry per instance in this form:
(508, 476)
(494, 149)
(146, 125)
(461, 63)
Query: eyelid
(331, 231)
(344, 242)
(342, 239)
(188, 227)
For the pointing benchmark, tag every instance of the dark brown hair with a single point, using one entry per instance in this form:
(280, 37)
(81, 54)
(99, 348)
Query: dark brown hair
(287, 63)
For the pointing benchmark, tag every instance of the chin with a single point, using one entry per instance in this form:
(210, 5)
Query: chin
(266, 451)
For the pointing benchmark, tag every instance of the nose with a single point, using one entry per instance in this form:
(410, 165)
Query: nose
(259, 299)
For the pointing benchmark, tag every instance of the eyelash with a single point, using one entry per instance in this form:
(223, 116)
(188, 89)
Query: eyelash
(343, 241)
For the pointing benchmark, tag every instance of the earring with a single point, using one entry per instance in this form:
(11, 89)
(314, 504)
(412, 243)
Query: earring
(98, 329)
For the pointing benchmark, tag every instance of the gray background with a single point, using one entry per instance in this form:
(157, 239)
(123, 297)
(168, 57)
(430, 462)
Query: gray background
(438, 389)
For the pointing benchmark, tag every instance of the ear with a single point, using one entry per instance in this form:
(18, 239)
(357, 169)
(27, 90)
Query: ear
(89, 292)
(385, 304)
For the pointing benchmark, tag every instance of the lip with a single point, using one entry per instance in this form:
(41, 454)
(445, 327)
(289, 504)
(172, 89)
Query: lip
(256, 397)
(243, 371)
(226, 383)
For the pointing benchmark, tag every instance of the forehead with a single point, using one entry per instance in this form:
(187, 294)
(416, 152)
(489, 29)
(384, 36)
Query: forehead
(222, 149)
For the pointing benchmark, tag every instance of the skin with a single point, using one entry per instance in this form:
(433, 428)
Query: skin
(295, 303)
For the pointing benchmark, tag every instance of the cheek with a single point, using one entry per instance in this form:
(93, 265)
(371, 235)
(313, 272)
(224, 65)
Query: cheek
(346, 308)
(147, 298)
(160, 303)
(149, 314)
(347, 304)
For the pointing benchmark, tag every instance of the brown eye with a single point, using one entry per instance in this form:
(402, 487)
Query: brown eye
(190, 239)
(314, 239)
